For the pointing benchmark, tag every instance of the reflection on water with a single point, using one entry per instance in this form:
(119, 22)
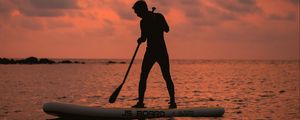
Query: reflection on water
(247, 89)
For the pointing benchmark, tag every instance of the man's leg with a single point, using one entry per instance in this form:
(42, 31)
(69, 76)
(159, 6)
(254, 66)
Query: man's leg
(147, 64)
(165, 69)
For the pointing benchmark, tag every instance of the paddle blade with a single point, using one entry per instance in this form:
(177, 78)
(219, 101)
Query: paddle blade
(115, 94)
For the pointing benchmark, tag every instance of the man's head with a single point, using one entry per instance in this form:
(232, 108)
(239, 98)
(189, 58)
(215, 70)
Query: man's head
(140, 8)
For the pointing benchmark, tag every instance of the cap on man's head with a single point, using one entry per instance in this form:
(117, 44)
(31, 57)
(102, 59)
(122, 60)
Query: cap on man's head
(140, 5)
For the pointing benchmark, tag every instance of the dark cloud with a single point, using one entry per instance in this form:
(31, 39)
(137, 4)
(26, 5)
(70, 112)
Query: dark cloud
(189, 2)
(31, 10)
(29, 23)
(164, 3)
(123, 10)
(193, 12)
(249, 2)
(6, 7)
(204, 15)
(41, 13)
(54, 24)
(32, 26)
(228, 17)
(218, 14)
(55, 4)
(289, 16)
(239, 6)
(125, 13)
(48, 8)
(295, 2)
(191, 8)
(39, 8)
(3, 7)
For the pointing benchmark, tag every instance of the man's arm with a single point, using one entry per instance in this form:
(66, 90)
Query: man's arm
(143, 33)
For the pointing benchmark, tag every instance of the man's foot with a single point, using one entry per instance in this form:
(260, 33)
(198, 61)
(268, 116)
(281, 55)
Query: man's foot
(139, 105)
(172, 105)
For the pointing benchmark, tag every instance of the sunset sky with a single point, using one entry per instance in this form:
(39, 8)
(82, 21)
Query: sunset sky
(199, 29)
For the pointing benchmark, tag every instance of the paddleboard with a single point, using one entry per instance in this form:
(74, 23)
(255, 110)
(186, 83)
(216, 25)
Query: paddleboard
(77, 111)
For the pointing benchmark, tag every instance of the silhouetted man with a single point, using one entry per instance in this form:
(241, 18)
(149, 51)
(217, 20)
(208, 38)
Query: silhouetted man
(153, 25)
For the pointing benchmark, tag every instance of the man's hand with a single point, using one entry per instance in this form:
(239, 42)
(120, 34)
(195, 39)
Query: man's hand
(140, 40)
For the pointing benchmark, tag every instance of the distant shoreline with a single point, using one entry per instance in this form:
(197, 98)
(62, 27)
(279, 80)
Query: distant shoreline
(35, 60)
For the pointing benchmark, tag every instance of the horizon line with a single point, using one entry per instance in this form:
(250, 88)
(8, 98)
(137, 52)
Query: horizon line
(142, 58)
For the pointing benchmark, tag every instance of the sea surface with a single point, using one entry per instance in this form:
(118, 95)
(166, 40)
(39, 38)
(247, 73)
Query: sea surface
(247, 89)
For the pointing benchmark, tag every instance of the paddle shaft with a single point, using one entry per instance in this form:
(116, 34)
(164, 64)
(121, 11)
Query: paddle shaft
(115, 94)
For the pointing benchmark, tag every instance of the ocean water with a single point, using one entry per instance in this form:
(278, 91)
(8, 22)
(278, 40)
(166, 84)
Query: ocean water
(247, 89)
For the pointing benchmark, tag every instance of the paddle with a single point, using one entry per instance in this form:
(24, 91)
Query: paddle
(115, 94)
